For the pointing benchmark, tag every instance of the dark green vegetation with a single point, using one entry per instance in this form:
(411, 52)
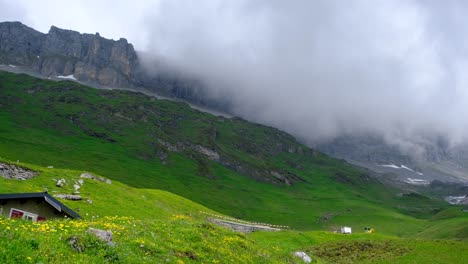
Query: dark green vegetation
(232, 166)
(365, 248)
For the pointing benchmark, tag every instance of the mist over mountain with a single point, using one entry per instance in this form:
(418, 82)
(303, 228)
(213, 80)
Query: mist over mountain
(319, 70)
(325, 69)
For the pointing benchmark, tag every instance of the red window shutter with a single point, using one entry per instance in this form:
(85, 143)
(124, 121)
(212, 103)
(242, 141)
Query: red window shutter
(16, 214)
(40, 218)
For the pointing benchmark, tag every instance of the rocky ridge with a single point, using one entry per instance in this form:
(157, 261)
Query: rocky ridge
(88, 58)
(95, 61)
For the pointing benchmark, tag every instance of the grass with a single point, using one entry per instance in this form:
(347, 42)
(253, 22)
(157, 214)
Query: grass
(119, 134)
(149, 226)
(179, 239)
(148, 148)
(155, 226)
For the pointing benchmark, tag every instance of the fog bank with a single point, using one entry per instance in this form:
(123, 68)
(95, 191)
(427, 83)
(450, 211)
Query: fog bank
(316, 69)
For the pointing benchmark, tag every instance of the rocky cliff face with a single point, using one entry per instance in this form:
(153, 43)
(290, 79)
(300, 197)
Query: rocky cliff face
(90, 58)
(93, 60)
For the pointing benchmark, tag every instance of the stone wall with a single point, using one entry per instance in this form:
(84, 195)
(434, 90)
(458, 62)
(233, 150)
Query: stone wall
(244, 228)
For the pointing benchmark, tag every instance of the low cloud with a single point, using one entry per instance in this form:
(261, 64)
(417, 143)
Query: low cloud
(317, 69)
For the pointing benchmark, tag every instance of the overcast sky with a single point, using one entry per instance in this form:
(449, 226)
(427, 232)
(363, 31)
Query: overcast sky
(314, 68)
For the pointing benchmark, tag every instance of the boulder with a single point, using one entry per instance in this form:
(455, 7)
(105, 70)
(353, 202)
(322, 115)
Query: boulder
(303, 256)
(61, 183)
(73, 197)
(87, 176)
(104, 235)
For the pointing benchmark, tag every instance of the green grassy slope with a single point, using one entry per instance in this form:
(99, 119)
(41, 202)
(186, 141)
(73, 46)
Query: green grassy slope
(154, 226)
(148, 226)
(155, 144)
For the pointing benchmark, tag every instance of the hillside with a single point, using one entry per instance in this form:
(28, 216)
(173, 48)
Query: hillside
(97, 61)
(148, 226)
(154, 226)
(229, 165)
(148, 147)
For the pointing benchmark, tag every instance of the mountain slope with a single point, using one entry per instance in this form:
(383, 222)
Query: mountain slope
(154, 226)
(441, 168)
(232, 166)
(147, 225)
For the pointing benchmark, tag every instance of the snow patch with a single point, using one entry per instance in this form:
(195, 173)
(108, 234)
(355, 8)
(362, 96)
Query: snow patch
(417, 181)
(68, 77)
(393, 166)
(406, 168)
(457, 199)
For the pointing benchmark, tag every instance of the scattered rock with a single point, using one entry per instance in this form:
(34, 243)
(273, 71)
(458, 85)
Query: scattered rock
(163, 156)
(50, 167)
(61, 183)
(280, 177)
(10, 171)
(303, 256)
(210, 154)
(77, 188)
(89, 201)
(87, 176)
(73, 197)
(171, 147)
(74, 243)
(104, 235)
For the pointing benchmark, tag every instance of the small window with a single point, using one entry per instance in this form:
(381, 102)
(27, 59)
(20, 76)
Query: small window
(28, 217)
(16, 213)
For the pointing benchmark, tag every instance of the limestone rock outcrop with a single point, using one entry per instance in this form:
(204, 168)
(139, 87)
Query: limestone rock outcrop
(89, 58)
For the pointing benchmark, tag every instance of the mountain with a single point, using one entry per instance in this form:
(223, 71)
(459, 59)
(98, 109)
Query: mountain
(86, 57)
(232, 166)
(94, 60)
(90, 59)
(169, 164)
(148, 146)
(435, 159)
